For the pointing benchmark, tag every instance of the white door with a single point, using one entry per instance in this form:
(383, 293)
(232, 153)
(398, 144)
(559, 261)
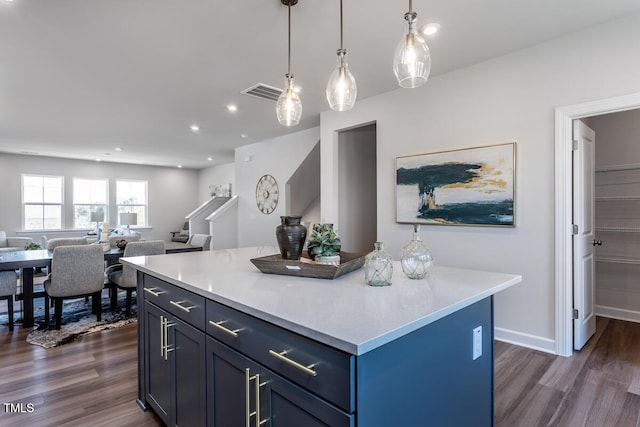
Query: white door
(584, 324)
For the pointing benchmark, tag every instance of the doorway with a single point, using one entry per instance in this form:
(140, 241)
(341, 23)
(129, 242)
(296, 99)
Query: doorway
(564, 118)
(357, 194)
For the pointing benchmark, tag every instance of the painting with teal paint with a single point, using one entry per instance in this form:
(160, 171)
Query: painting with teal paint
(473, 186)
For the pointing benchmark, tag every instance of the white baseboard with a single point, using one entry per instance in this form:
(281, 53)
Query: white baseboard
(525, 340)
(617, 313)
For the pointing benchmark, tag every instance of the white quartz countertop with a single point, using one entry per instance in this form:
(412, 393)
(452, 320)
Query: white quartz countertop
(343, 313)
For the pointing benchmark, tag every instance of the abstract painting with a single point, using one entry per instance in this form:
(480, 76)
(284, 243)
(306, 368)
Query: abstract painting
(473, 186)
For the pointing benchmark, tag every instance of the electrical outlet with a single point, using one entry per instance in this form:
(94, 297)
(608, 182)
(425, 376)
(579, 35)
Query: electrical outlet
(477, 342)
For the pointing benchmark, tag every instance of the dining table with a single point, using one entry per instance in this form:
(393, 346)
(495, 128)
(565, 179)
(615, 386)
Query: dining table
(27, 261)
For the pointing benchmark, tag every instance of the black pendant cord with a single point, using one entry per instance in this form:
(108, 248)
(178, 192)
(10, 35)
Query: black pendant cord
(341, 47)
(289, 46)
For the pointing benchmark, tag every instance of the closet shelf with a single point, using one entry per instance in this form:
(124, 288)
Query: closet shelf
(619, 229)
(618, 260)
(616, 198)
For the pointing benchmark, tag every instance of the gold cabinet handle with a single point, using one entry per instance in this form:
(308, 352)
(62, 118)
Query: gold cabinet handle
(181, 307)
(233, 333)
(165, 347)
(162, 320)
(283, 356)
(247, 386)
(153, 291)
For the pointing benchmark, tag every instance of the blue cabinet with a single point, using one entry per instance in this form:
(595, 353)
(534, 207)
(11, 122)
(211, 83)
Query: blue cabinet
(227, 368)
(242, 392)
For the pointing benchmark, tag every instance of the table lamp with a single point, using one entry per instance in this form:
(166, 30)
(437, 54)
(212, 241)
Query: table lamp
(128, 219)
(97, 217)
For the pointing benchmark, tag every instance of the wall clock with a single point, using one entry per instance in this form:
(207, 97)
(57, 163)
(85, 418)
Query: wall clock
(267, 194)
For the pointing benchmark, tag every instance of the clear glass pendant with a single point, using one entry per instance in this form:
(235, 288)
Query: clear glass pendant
(289, 106)
(378, 266)
(412, 59)
(416, 258)
(341, 88)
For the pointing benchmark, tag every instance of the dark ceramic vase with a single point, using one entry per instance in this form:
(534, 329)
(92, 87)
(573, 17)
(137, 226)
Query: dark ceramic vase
(291, 236)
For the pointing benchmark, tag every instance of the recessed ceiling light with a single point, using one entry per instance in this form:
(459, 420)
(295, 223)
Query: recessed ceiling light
(232, 107)
(430, 28)
(98, 160)
(194, 128)
(118, 149)
(244, 136)
(209, 158)
(179, 166)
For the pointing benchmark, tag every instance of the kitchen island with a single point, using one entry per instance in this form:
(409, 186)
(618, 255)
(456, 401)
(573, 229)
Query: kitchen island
(222, 344)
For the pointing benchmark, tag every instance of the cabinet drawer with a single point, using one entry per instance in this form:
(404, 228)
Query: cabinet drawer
(179, 302)
(323, 370)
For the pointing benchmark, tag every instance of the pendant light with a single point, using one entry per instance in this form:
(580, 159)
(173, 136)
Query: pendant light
(341, 88)
(289, 106)
(412, 59)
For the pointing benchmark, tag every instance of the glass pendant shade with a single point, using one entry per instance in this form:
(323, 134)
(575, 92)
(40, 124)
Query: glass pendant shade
(289, 106)
(341, 88)
(412, 59)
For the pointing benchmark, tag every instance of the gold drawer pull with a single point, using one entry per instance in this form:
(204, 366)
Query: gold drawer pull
(181, 307)
(218, 325)
(283, 356)
(153, 291)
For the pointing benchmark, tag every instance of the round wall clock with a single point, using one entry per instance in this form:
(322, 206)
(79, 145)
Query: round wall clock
(267, 194)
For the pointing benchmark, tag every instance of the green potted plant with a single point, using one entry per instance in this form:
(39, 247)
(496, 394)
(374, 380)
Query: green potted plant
(32, 246)
(324, 244)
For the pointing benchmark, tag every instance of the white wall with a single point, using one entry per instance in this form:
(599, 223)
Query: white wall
(172, 192)
(511, 98)
(218, 174)
(279, 157)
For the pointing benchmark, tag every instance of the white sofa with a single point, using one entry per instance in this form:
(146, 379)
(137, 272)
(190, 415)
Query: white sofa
(9, 244)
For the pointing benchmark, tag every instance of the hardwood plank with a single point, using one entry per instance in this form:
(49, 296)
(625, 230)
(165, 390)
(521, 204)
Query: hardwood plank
(93, 381)
(593, 388)
(563, 372)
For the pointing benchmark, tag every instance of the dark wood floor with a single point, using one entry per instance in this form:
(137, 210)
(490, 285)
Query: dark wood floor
(597, 387)
(92, 382)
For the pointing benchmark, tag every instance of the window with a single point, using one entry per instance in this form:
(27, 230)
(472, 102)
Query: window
(42, 202)
(131, 196)
(90, 196)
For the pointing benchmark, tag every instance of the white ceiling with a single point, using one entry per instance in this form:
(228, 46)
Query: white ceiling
(81, 77)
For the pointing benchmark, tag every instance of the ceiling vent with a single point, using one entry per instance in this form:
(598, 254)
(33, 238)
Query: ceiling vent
(263, 91)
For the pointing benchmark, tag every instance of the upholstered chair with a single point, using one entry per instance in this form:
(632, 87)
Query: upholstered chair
(8, 244)
(8, 288)
(125, 277)
(202, 240)
(65, 241)
(76, 271)
(181, 236)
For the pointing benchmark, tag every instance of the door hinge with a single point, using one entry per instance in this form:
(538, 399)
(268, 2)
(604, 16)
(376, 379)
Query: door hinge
(574, 228)
(575, 314)
(574, 145)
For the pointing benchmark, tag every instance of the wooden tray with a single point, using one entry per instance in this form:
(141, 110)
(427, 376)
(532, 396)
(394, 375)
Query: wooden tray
(274, 264)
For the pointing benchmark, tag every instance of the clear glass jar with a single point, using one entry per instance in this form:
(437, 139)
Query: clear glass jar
(378, 266)
(416, 258)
